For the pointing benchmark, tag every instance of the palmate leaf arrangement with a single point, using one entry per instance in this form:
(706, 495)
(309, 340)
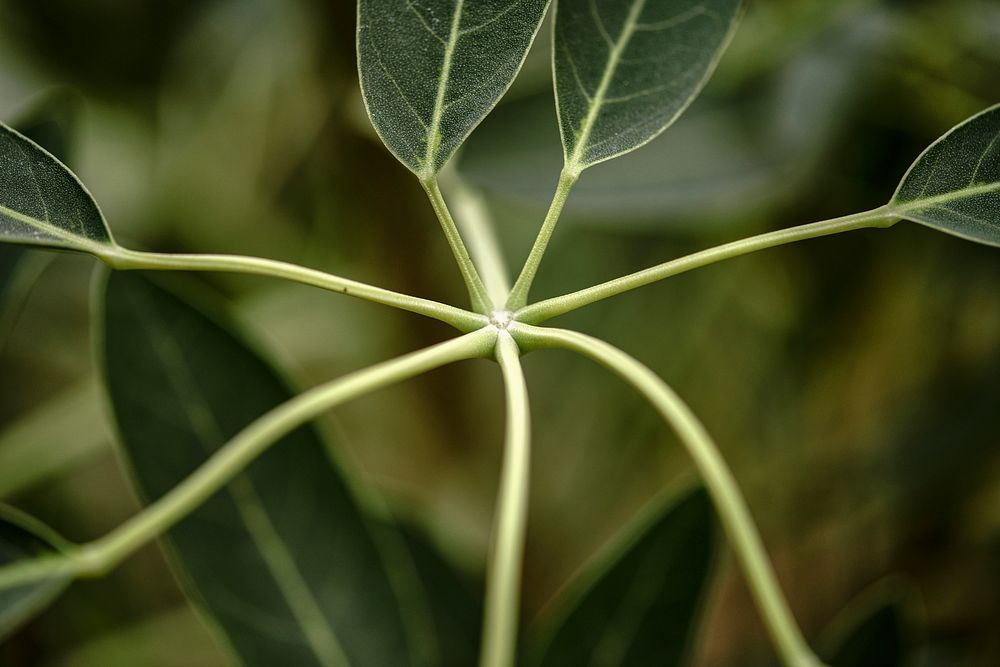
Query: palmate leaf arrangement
(286, 536)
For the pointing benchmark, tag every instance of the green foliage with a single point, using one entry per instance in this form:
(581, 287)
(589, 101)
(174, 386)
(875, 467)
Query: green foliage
(626, 69)
(955, 185)
(42, 202)
(285, 546)
(23, 539)
(638, 606)
(269, 537)
(432, 69)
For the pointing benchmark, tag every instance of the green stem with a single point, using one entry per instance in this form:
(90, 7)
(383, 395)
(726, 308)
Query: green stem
(124, 259)
(475, 224)
(725, 493)
(98, 557)
(477, 291)
(519, 294)
(503, 585)
(545, 310)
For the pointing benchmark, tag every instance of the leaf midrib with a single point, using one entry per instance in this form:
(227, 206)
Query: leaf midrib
(575, 161)
(929, 202)
(305, 608)
(53, 230)
(433, 141)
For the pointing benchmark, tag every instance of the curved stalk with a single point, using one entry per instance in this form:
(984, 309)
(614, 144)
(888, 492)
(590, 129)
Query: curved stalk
(98, 557)
(125, 259)
(503, 586)
(477, 291)
(725, 493)
(519, 294)
(473, 218)
(545, 310)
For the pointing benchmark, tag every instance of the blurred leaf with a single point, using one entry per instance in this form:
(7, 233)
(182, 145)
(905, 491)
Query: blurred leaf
(732, 156)
(638, 606)
(10, 259)
(52, 439)
(282, 559)
(42, 202)
(150, 642)
(23, 538)
(869, 632)
(49, 124)
(876, 642)
(626, 69)
(954, 186)
(432, 69)
(457, 612)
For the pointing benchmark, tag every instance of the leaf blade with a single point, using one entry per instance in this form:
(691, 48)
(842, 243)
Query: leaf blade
(609, 105)
(654, 585)
(283, 559)
(431, 70)
(43, 203)
(954, 185)
(23, 538)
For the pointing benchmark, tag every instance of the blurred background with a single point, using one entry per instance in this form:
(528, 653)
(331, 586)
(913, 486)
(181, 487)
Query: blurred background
(852, 382)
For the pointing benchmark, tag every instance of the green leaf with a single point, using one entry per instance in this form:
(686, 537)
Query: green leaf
(283, 559)
(734, 156)
(10, 261)
(626, 69)
(23, 538)
(431, 70)
(43, 203)
(50, 124)
(639, 606)
(954, 186)
(875, 642)
(455, 608)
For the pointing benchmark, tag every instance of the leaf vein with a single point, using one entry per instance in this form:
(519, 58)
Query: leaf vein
(423, 22)
(503, 12)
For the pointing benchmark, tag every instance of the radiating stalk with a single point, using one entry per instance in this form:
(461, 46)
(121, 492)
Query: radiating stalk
(729, 503)
(477, 291)
(519, 294)
(545, 310)
(123, 259)
(476, 225)
(503, 586)
(98, 557)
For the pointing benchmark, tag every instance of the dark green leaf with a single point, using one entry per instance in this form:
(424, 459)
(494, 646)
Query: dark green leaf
(283, 558)
(876, 642)
(456, 610)
(10, 259)
(639, 606)
(626, 69)
(954, 186)
(432, 69)
(732, 157)
(50, 125)
(22, 538)
(42, 202)
(870, 631)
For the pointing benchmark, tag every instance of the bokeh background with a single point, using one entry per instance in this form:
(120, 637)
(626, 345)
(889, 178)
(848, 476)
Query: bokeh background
(852, 382)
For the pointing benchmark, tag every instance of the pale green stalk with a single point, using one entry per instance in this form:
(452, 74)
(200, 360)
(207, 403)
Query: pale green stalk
(545, 310)
(725, 493)
(477, 291)
(98, 557)
(475, 223)
(124, 259)
(519, 294)
(503, 586)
